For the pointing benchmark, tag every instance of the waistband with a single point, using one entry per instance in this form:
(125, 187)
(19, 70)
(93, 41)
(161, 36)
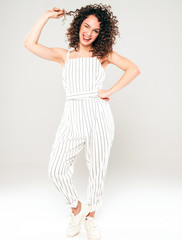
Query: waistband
(82, 95)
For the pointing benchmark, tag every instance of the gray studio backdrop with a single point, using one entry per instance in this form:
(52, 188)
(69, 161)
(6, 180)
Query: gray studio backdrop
(147, 112)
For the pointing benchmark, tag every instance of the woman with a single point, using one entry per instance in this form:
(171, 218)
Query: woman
(87, 120)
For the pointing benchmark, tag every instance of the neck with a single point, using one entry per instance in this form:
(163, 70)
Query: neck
(83, 49)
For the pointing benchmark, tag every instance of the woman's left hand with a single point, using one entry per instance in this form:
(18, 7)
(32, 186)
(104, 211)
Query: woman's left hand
(103, 94)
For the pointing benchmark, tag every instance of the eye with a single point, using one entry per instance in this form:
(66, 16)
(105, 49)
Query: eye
(85, 25)
(96, 31)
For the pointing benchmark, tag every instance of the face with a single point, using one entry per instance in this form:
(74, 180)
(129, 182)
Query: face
(89, 30)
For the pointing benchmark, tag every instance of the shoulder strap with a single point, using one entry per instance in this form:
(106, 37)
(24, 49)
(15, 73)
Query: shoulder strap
(68, 54)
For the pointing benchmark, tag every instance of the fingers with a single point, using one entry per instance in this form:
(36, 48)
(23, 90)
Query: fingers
(57, 9)
(106, 99)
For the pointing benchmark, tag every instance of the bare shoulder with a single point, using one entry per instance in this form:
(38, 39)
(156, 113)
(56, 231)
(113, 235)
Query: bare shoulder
(111, 56)
(120, 61)
(104, 61)
(108, 59)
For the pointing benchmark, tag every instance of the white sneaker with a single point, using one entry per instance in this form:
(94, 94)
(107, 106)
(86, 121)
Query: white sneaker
(92, 228)
(75, 220)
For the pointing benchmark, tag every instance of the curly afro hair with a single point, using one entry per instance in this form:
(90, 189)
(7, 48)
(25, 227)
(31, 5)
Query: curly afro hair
(103, 44)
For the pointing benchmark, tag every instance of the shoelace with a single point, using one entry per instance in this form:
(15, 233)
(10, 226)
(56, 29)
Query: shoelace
(91, 223)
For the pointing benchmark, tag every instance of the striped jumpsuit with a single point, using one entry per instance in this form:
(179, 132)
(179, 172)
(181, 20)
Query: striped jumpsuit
(87, 121)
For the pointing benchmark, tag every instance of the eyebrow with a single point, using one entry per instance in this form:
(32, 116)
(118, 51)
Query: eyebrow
(89, 25)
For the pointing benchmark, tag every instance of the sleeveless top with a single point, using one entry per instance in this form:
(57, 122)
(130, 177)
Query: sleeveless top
(82, 77)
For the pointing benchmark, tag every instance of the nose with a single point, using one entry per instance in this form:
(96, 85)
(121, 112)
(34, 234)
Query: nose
(89, 33)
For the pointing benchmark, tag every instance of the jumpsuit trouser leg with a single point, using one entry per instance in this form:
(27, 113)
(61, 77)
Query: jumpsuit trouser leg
(66, 147)
(97, 152)
(64, 150)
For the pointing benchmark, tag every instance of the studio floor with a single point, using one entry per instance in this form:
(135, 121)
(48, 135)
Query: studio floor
(133, 209)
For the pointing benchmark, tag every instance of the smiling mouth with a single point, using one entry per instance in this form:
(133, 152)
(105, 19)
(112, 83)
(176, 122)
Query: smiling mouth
(86, 39)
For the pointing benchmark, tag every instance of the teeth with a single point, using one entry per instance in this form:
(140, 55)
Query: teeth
(86, 37)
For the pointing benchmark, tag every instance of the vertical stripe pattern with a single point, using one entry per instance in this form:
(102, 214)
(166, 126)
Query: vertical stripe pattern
(87, 121)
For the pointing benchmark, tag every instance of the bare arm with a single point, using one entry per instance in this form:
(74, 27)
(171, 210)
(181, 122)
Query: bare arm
(130, 68)
(31, 40)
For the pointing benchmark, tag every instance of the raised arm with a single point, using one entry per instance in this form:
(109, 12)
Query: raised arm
(31, 40)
